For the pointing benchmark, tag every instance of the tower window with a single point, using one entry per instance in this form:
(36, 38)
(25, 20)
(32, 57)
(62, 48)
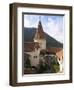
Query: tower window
(35, 56)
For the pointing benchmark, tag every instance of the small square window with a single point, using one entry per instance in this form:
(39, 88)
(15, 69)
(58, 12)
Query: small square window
(35, 56)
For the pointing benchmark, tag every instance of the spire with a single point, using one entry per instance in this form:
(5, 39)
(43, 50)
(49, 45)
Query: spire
(39, 17)
(39, 32)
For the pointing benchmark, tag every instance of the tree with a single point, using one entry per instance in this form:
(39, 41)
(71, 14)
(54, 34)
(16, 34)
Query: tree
(54, 65)
(41, 67)
(28, 63)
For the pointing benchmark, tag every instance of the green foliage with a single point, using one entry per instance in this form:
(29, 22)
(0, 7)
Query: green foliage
(56, 68)
(54, 65)
(28, 63)
(41, 68)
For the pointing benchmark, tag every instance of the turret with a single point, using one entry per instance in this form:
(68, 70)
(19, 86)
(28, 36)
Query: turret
(40, 36)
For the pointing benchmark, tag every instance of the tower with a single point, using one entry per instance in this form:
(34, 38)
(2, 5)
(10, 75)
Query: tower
(40, 36)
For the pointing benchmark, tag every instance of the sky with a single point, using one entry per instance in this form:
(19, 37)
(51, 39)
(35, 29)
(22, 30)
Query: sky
(53, 25)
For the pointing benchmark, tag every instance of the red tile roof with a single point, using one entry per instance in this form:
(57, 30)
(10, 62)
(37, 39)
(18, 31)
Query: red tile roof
(54, 49)
(30, 46)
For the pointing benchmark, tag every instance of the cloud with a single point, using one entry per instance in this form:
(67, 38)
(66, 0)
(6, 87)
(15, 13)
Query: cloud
(30, 20)
(52, 25)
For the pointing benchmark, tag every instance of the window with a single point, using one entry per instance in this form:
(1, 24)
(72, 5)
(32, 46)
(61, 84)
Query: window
(35, 56)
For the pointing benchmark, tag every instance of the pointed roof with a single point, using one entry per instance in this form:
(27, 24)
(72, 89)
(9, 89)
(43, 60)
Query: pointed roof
(39, 32)
(29, 35)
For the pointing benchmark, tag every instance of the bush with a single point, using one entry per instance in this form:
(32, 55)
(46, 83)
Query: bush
(28, 63)
(54, 65)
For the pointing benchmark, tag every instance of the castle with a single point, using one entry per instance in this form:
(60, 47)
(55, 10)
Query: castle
(33, 49)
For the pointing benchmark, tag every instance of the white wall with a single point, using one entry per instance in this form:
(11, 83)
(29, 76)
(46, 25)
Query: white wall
(4, 46)
(34, 61)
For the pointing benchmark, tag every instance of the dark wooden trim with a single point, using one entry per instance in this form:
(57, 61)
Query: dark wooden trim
(13, 43)
(70, 42)
(28, 13)
(43, 83)
(41, 6)
(10, 45)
